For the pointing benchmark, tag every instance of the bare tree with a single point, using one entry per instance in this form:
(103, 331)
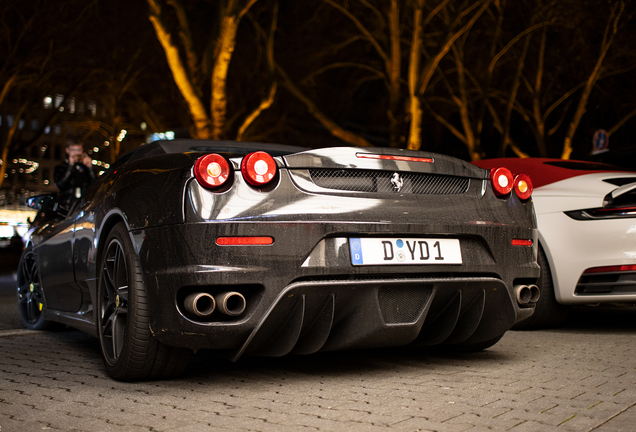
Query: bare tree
(611, 29)
(467, 76)
(201, 70)
(550, 89)
(403, 57)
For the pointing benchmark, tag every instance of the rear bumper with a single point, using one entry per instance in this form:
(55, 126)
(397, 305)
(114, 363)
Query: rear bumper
(571, 250)
(304, 295)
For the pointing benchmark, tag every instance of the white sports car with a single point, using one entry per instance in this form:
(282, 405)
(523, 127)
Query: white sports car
(586, 214)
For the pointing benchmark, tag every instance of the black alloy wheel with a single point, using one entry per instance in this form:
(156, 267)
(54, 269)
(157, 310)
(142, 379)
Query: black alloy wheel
(113, 308)
(129, 350)
(30, 296)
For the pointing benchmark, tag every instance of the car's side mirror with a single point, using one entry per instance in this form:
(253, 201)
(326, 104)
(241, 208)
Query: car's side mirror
(42, 202)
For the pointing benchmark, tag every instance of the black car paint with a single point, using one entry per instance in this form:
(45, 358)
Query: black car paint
(303, 293)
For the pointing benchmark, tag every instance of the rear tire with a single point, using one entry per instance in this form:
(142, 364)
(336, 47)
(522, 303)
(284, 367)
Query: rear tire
(548, 313)
(30, 296)
(129, 350)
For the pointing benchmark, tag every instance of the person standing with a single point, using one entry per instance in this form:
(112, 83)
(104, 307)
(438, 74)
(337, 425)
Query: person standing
(74, 175)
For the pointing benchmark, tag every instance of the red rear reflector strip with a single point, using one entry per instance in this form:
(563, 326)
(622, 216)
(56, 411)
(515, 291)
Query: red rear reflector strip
(618, 268)
(244, 241)
(394, 158)
(521, 242)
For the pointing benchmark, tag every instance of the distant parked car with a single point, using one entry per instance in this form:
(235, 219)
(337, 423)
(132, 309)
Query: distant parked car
(251, 248)
(586, 214)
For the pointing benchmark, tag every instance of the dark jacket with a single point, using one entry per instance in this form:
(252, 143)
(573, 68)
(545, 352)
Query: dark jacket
(72, 180)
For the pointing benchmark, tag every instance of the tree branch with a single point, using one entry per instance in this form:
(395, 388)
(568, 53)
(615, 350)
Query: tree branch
(364, 31)
(333, 127)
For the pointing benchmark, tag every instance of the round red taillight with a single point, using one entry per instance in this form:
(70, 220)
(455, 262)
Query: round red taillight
(258, 168)
(211, 170)
(501, 181)
(523, 186)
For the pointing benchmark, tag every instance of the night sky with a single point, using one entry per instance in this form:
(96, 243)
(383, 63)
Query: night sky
(518, 69)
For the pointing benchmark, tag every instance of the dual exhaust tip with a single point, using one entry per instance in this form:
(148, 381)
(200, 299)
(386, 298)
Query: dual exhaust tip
(527, 294)
(232, 303)
(202, 304)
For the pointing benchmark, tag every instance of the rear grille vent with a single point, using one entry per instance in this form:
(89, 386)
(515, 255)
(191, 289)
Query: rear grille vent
(606, 283)
(383, 181)
(403, 304)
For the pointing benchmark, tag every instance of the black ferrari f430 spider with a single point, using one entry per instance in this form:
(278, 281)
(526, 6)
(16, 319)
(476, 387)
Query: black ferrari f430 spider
(264, 249)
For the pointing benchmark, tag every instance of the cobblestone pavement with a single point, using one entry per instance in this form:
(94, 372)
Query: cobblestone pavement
(577, 378)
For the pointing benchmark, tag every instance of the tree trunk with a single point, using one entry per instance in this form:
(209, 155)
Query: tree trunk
(415, 109)
(536, 98)
(394, 77)
(227, 42)
(200, 118)
(505, 139)
(431, 65)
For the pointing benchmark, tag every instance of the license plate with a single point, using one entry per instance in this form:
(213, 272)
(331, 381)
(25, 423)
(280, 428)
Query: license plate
(382, 251)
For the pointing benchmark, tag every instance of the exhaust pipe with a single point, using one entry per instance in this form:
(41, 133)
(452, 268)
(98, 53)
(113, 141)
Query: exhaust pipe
(200, 304)
(535, 293)
(230, 303)
(523, 294)
(527, 294)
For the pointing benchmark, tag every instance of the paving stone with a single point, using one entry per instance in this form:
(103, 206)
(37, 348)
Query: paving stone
(559, 380)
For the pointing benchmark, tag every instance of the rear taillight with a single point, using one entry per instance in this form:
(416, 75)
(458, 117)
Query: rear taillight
(211, 170)
(611, 269)
(258, 168)
(502, 181)
(523, 186)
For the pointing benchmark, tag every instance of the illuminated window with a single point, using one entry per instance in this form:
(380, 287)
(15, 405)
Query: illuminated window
(92, 107)
(47, 130)
(47, 102)
(58, 100)
(35, 124)
(9, 120)
(21, 124)
(57, 129)
(71, 105)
